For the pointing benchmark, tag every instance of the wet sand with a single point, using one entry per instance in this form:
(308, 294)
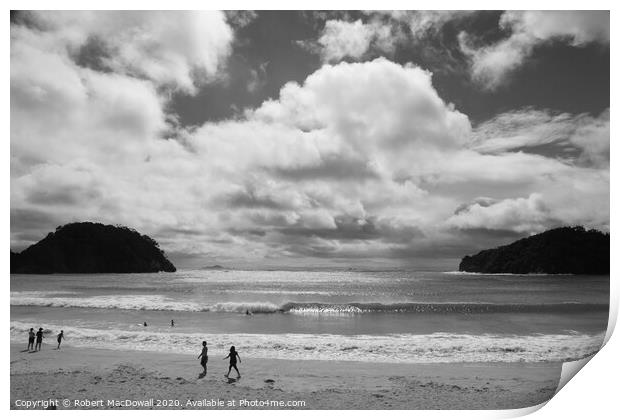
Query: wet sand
(145, 377)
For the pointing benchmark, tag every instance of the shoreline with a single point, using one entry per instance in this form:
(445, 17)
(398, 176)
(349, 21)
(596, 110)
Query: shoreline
(92, 374)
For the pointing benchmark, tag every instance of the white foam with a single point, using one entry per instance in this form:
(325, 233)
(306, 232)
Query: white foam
(396, 348)
(335, 309)
(135, 302)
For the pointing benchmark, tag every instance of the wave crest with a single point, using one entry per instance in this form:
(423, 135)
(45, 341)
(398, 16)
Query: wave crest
(393, 348)
(162, 303)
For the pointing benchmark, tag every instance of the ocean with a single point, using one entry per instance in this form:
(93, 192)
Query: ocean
(382, 316)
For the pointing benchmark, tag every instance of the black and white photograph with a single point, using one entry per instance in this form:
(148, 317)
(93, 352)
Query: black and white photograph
(306, 209)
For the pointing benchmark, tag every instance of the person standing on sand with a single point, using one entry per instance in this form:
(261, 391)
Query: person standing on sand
(233, 355)
(31, 336)
(39, 334)
(203, 357)
(59, 337)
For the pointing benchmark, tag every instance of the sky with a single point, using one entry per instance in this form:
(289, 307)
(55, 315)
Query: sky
(311, 139)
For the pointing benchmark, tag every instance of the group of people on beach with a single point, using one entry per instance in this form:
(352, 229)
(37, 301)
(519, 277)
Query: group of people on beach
(39, 339)
(232, 355)
(203, 356)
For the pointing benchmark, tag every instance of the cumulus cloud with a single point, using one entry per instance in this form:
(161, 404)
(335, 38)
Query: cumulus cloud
(103, 112)
(360, 160)
(524, 215)
(357, 114)
(178, 49)
(491, 65)
(586, 204)
(344, 39)
(80, 133)
(381, 32)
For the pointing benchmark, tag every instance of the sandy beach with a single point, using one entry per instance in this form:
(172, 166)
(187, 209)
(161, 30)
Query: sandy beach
(95, 374)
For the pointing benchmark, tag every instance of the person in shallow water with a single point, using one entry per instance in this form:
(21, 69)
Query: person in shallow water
(31, 336)
(59, 337)
(172, 322)
(233, 355)
(39, 339)
(203, 357)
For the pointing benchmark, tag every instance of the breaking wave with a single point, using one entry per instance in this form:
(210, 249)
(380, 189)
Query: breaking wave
(393, 348)
(162, 303)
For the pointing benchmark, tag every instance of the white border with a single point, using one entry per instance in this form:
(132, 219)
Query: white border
(593, 394)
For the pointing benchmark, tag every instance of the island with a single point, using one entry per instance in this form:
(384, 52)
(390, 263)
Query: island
(565, 250)
(88, 247)
(214, 267)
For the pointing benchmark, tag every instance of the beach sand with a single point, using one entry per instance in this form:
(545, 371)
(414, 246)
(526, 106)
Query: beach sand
(95, 374)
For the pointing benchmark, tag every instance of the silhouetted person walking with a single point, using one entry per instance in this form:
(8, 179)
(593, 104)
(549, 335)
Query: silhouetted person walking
(31, 336)
(39, 340)
(233, 355)
(59, 337)
(204, 358)
(172, 322)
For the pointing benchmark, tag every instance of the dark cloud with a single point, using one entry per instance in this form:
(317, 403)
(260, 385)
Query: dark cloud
(559, 149)
(251, 199)
(267, 219)
(336, 167)
(32, 219)
(93, 54)
(67, 196)
(247, 232)
(31, 225)
(472, 241)
(480, 201)
(174, 231)
(358, 229)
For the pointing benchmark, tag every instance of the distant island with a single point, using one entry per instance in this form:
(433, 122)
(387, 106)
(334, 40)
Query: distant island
(214, 267)
(91, 248)
(566, 250)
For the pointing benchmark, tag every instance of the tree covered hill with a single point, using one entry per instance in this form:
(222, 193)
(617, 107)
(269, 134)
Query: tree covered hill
(92, 248)
(565, 250)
